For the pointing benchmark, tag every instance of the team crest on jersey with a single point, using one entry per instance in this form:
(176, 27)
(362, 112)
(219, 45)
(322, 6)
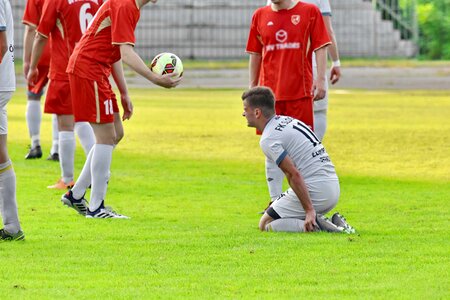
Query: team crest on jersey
(295, 19)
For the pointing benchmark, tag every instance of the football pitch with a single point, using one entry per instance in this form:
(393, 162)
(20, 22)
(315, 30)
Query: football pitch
(191, 176)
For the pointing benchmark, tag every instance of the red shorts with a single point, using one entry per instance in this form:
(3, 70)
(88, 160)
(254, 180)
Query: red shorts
(93, 101)
(38, 88)
(301, 109)
(58, 100)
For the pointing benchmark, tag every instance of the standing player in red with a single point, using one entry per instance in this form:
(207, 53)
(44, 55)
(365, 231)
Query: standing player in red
(63, 21)
(31, 17)
(281, 41)
(108, 41)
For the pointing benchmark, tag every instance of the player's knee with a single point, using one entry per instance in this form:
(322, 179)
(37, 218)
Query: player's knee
(119, 136)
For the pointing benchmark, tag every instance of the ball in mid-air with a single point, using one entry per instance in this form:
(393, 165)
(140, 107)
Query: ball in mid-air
(167, 63)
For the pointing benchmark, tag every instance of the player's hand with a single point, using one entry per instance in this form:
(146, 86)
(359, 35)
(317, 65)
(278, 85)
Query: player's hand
(26, 69)
(335, 74)
(318, 89)
(32, 76)
(168, 80)
(127, 106)
(310, 221)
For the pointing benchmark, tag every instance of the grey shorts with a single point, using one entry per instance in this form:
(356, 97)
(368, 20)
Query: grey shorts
(324, 197)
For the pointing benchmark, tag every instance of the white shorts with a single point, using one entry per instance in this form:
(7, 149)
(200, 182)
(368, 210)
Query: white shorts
(324, 197)
(4, 99)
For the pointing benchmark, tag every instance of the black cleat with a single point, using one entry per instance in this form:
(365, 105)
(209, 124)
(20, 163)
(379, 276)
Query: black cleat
(53, 157)
(35, 152)
(6, 236)
(80, 205)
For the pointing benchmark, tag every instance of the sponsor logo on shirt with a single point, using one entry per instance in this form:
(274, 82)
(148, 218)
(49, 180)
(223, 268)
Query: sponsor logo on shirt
(281, 37)
(295, 19)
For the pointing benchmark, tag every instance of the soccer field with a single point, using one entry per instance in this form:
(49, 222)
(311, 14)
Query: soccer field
(191, 176)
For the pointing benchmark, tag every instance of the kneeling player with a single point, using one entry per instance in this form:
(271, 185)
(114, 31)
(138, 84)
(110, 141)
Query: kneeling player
(314, 186)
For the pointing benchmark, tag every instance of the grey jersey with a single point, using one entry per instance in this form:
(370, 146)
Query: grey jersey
(288, 136)
(7, 73)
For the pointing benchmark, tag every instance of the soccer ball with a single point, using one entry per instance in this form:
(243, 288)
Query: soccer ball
(167, 63)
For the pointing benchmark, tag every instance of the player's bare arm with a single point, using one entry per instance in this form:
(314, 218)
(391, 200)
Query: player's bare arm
(3, 45)
(335, 72)
(28, 39)
(134, 61)
(318, 89)
(119, 79)
(297, 183)
(38, 47)
(254, 67)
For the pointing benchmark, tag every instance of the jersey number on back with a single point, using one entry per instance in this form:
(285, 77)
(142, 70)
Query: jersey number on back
(85, 17)
(108, 107)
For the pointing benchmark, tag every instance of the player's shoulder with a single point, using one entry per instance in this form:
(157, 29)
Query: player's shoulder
(307, 7)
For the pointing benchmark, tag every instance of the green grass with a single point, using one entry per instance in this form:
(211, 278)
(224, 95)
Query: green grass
(191, 176)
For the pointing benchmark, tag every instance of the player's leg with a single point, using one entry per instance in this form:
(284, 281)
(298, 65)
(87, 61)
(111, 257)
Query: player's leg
(54, 151)
(267, 223)
(320, 123)
(8, 204)
(33, 116)
(85, 135)
(66, 150)
(58, 101)
(320, 112)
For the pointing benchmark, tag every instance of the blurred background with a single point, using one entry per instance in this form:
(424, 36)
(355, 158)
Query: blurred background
(218, 29)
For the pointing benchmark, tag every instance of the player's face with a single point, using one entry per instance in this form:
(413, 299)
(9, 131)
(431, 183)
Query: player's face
(249, 114)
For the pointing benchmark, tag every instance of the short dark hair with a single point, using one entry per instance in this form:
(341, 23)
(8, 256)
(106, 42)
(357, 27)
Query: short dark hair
(260, 97)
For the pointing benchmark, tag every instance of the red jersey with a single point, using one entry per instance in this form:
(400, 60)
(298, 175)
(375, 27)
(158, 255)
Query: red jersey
(98, 49)
(286, 40)
(31, 17)
(65, 21)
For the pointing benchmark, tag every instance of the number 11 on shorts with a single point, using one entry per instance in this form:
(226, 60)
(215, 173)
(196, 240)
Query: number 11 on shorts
(108, 107)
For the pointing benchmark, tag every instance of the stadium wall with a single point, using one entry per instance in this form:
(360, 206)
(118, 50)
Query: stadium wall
(217, 29)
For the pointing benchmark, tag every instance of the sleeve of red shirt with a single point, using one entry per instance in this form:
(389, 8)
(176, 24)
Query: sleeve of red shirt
(319, 34)
(31, 14)
(254, 45)
(124, 20)
(48, 18)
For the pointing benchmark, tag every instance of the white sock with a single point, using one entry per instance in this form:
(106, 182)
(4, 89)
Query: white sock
(100, 165)
(84, 180)
(86, 135)
(67, 154)
(320, 123)
(34, 116)
(274, 176)
(8, 198)
(55, 135)
(286, 225)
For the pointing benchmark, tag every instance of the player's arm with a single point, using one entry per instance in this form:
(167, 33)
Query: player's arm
(318, 89)
(3, 44)
(38, 48)
(254, 67)
(119, 78)
(134, 61)
(335, 72)
(28, 38)
(297, 183)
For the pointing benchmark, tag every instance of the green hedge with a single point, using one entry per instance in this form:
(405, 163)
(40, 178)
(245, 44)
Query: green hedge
(434, 28)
